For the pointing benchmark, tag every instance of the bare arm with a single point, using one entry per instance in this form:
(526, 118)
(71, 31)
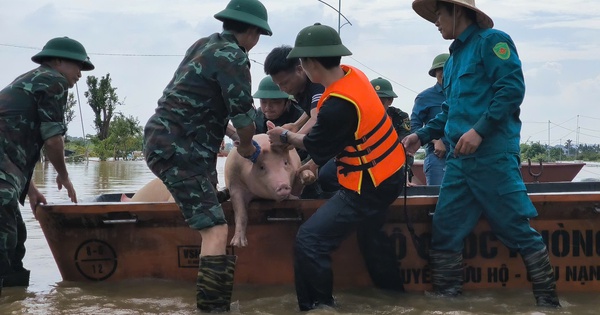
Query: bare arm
(309, 123)
(55, 150)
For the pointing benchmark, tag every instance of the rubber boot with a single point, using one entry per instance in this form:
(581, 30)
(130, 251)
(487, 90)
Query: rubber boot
(446, 273)
(215, 283)
(542, 278)
(17, 278)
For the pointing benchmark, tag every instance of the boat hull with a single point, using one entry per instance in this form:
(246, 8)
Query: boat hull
(113, 241)
(546, 173)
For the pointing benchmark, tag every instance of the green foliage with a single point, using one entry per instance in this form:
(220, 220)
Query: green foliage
(103, 100)
(568, 152)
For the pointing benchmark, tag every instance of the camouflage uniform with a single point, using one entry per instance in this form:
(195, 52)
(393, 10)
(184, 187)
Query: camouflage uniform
(401, 122)
(211, 85)
(31, 111)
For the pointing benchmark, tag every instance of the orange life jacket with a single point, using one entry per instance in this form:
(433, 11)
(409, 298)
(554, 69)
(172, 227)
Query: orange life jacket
(376, 146)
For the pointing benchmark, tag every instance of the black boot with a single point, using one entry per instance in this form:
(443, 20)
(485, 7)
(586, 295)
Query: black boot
(542, 278)
(17, 278)
(215, 283)
(446, 272)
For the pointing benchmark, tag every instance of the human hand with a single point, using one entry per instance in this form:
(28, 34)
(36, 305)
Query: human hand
(35, 198)
(439, 148)
(468, 143)
(308, 172)
(411, 143)
(250, 152)
(65, 181)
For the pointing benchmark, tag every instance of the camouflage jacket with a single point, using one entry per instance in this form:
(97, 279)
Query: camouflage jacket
(400, 120)
(210, 86)
(31, 111)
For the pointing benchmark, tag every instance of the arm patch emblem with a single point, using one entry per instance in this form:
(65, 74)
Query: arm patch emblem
(502, 50)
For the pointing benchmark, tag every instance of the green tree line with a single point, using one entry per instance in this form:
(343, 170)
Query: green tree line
(117, 136)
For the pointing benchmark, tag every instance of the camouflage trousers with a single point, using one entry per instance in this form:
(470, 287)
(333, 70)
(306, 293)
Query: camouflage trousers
(193, 187)
(12, 230)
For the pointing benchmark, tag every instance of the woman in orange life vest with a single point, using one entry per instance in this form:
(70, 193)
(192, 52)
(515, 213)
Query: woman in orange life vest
(369, 160)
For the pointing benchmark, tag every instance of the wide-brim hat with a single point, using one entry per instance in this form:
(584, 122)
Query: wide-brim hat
(267, 89)
(426, 9)
(383, 88)
(65, 48)
(438, 62)
(318, 41)
(251, 12)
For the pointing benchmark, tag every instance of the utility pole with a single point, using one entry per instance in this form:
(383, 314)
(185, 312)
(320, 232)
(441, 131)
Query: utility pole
(340, 15)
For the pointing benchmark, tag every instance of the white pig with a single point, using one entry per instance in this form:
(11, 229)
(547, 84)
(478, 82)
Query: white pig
(272, 177)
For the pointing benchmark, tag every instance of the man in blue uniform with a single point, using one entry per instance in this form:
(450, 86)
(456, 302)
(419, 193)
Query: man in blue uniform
(484, 87)
(427, 105)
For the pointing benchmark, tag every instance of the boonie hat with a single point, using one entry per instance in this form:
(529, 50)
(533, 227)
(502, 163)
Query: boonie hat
(318, 41)
(383, 88)
(267, 89)
(426, 9)
(251, 12)
(66, 48)
(438, 62)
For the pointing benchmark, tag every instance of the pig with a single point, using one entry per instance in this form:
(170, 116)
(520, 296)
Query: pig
(153, 191)
(273, 176)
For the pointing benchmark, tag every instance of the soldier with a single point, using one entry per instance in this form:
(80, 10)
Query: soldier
(484, 88)
(399, 118)
(32, 116)
(210, 87)
(275, 105)
(369, 160)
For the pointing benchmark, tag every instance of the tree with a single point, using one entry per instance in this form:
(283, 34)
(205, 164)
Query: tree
(70, 109)
(103, 100)
(125, 135)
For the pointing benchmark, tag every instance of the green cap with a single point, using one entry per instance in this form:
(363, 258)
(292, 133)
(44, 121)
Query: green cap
(438, 62)
(66, 48)
(318, 41)
(267, 89)
(251, 12)
(383, 88)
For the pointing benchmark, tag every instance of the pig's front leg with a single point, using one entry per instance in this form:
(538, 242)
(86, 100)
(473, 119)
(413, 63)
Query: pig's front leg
(239, 201)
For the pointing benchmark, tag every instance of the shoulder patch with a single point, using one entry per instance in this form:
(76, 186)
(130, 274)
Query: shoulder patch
(502, 50)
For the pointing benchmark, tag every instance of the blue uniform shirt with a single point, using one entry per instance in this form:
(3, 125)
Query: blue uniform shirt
(484, 87)
(427, 105)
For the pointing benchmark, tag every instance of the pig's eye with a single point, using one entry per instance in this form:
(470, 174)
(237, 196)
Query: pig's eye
(262, 167)
(285, 162)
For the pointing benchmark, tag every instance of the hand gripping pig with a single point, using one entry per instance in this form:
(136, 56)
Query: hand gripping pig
(273, 176)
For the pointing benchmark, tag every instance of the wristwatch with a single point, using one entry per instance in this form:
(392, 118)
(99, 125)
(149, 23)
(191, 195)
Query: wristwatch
(283, 136)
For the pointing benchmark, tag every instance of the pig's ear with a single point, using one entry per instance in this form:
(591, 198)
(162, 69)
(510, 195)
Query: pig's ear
(270, 125)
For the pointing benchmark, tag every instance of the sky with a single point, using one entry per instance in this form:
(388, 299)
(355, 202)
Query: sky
(141, 42)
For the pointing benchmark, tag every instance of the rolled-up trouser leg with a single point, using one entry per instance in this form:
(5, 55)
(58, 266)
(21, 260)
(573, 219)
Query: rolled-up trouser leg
(215, 283)
(446, 272)
(542, 278)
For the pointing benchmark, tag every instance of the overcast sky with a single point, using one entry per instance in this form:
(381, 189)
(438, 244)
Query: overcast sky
(141, 42)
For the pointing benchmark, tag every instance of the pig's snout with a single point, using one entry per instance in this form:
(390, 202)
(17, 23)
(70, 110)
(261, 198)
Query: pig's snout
(283, 191)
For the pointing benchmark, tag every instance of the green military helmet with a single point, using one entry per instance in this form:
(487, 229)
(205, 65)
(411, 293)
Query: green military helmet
(251, 12)
(318, 41)
(267, 89)
(66, 48)
(383, 88)
(438, 62)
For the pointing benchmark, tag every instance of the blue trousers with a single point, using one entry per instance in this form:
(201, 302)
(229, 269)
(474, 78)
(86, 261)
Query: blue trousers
(489, 185)
(433, 167)
(323, 232)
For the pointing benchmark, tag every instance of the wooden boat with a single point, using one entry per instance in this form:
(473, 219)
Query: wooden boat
(531, 172)
(113, 241)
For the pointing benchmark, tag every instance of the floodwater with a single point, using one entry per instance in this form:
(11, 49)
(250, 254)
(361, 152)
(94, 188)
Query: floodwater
(48, 294)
